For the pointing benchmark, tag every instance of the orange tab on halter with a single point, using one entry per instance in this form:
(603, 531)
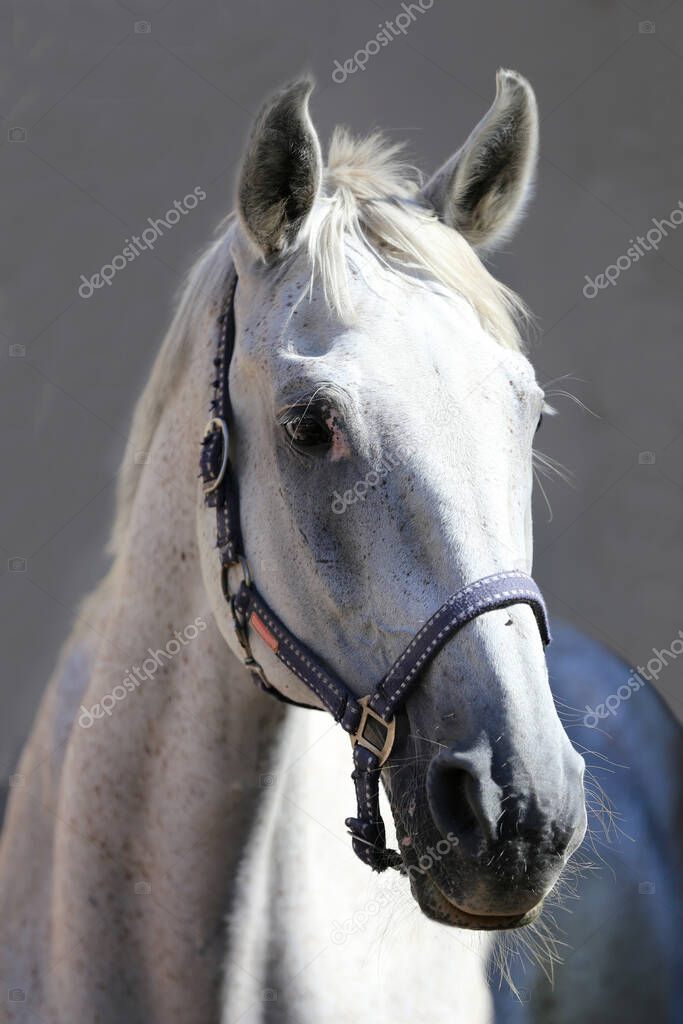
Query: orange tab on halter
(263, 631)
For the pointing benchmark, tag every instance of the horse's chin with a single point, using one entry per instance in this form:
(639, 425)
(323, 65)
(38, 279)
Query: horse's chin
(437, 906)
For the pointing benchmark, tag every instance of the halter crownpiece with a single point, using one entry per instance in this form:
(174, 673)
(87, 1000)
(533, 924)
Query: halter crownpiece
(370, 721)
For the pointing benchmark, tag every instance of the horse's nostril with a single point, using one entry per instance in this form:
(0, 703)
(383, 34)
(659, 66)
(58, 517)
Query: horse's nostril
(457, 799)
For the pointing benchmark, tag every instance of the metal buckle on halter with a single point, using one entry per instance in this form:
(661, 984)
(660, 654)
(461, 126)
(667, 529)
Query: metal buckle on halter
(216, 423)
(368, 717)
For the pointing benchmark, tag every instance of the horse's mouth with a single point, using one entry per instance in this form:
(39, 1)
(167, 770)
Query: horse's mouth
(443, 909)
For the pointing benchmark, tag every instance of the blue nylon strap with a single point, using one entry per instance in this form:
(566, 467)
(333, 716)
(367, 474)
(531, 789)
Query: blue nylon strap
(488, 594)
(318, 677)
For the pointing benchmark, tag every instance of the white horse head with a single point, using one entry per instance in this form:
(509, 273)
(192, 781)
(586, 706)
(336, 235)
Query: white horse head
(384, 416)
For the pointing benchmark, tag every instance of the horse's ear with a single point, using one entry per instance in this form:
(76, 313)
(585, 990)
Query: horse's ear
(281, 172)
(482, 190)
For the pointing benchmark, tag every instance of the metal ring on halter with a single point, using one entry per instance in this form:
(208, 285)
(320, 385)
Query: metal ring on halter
(216, 423)
(246, 573)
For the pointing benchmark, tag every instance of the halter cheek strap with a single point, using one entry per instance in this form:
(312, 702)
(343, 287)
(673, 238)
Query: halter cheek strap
(370, 720)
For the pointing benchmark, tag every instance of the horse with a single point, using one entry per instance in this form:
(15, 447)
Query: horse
(173, 847)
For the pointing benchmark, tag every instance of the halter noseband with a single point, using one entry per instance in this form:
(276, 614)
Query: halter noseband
(370, 720)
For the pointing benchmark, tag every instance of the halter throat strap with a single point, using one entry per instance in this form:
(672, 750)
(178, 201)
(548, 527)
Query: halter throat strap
(371, 720)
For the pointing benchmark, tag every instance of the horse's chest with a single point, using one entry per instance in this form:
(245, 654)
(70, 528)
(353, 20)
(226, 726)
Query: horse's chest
(317, 937)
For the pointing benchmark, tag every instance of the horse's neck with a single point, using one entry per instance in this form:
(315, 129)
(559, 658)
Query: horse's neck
(314, 929)
(155, 797)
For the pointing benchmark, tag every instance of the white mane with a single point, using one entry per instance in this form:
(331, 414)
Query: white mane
(372, 196)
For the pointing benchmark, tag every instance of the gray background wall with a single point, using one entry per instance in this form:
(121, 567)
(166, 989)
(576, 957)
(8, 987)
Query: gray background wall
(120, 123)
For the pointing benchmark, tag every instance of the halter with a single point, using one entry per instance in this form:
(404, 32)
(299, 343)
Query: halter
(370, 721)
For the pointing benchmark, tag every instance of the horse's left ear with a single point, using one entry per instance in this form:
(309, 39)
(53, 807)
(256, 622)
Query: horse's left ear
(281, 172)
(482, 190)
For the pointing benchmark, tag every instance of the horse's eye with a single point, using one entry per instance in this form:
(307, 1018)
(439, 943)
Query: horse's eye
(540, 422)
(306, 428)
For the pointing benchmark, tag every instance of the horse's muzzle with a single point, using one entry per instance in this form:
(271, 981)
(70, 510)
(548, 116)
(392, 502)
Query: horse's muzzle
(510, 842)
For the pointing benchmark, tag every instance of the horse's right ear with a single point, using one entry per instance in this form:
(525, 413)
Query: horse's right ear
(282, 171)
